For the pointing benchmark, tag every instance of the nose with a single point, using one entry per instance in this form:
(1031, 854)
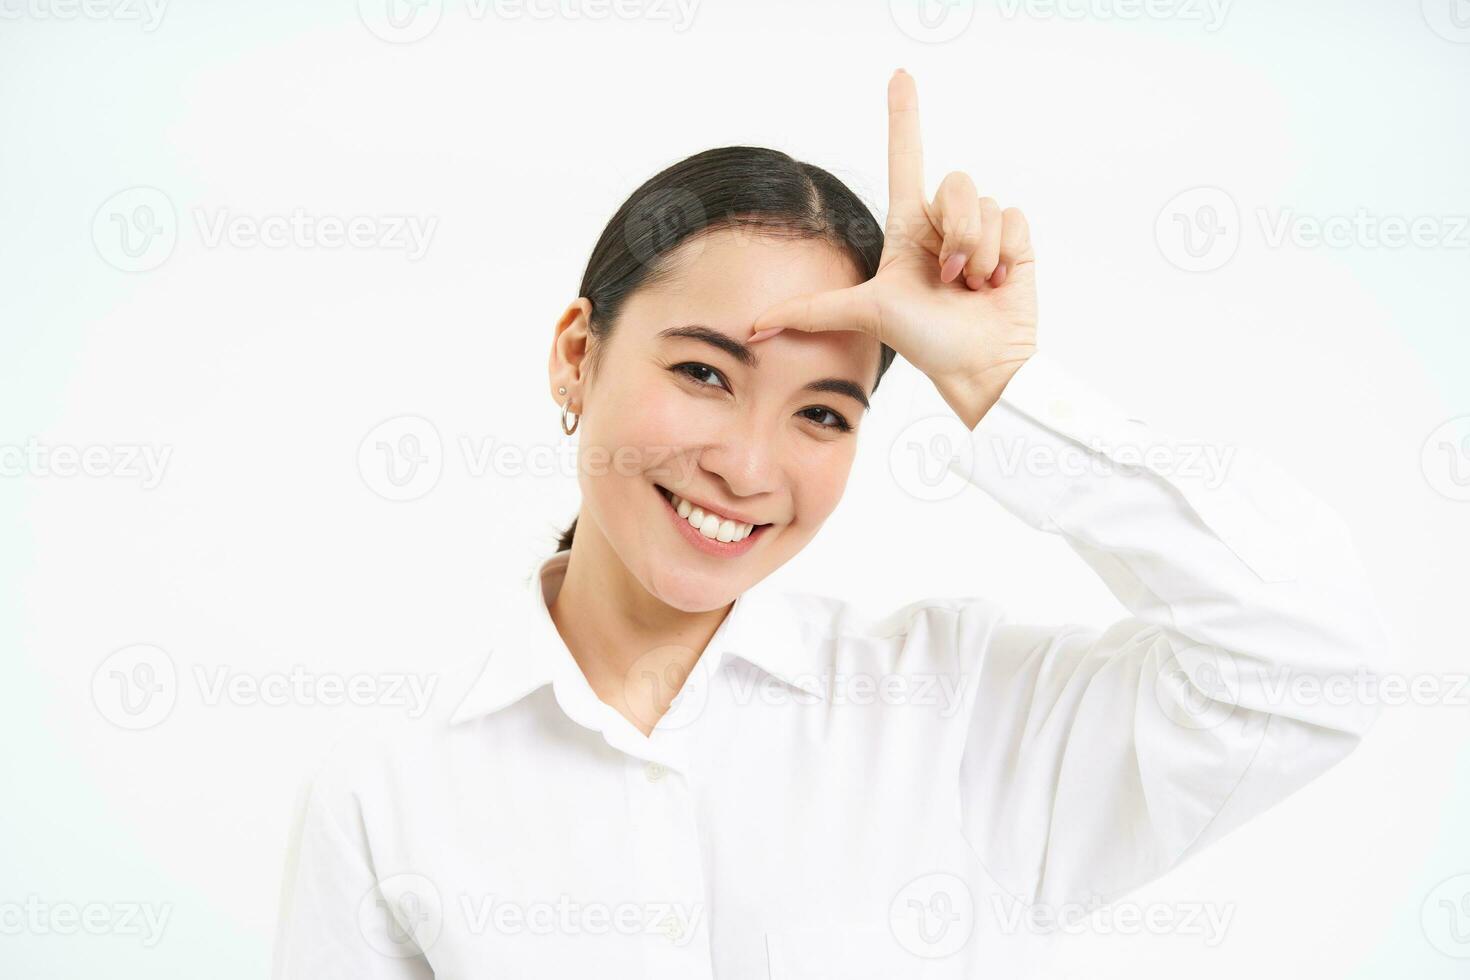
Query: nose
(746, 457)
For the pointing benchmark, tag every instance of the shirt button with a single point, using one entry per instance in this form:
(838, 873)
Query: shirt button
(674, 929)
(654, 771)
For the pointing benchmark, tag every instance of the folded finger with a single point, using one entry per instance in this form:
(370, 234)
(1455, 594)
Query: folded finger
(958, 214)
(1015, 244)
(987, 254)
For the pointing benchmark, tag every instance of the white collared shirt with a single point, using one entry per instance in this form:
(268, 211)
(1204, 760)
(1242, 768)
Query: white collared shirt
(837, 793)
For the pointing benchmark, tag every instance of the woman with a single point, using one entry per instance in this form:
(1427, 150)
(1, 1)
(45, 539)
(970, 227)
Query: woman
(665, 769)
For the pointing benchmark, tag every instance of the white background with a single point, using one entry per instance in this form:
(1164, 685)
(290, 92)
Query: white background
(261, 369)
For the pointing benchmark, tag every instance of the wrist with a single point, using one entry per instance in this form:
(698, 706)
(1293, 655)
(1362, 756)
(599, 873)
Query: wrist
(972, 394)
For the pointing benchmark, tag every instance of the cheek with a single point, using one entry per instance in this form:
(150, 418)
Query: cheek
(641, 428)
(659, 417)
(663, 417)
(821, 483)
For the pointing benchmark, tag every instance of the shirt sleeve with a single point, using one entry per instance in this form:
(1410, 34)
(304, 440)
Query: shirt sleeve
(338, 920)
(1093, 760)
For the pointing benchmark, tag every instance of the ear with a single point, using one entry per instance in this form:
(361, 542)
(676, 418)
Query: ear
(569, 349)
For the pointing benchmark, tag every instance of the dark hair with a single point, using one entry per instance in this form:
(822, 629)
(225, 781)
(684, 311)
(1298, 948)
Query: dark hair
(747, 186)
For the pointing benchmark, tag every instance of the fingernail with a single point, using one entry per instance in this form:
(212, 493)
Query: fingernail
(952, 266)
(998, 278)
(763, 334)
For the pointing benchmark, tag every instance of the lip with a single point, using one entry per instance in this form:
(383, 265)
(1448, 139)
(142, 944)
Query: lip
(734, 515)
(710, 546)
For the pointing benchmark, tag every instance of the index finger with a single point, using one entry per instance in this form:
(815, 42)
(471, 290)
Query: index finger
(905, 151)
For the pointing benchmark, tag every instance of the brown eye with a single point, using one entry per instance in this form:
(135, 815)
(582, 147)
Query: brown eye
(838, 423)
(696, 372)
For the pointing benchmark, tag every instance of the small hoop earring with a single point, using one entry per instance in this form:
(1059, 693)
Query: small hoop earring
(577, 418)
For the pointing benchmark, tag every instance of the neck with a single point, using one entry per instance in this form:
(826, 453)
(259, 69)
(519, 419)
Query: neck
(634, 649)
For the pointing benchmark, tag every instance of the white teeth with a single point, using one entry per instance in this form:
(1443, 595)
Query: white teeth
(710, 525)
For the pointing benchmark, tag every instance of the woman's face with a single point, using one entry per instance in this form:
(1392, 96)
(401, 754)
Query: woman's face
(739, 430)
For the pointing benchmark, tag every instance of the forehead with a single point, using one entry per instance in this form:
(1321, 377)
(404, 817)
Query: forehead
(725, 278)
(748, 269)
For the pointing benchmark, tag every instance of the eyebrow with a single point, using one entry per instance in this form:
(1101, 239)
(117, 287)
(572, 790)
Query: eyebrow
(747, 358)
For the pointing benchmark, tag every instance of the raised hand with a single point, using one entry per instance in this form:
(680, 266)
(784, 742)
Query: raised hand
(955, 291)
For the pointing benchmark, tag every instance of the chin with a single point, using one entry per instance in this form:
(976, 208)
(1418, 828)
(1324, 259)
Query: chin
(690, 591)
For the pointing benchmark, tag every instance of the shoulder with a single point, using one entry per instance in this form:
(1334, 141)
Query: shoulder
(394, 746)
(928, 633)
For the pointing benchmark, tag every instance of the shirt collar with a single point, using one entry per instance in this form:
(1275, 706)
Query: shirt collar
(527, 651)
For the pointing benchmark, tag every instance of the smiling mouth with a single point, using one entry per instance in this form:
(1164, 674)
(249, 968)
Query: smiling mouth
(720, 528)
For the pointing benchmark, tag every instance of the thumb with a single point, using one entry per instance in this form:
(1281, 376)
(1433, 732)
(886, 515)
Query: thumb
(837, 309)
